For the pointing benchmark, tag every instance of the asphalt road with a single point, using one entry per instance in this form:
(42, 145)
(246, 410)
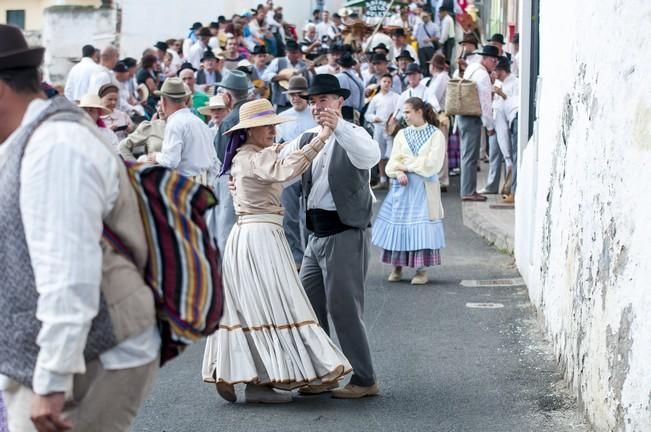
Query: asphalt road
(441, 365)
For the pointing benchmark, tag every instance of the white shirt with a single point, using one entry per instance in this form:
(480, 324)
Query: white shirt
(447, 29)
(327, 69)
(69, 183)
(418, 91)
(477, 73)
(103, 76)
(79, 77)
(303, 121)
(421, 33)
(188, 145)
(195, 54)
(382, 105)
(326, 29)
(363, 151)
(436, 90)
(510, 87)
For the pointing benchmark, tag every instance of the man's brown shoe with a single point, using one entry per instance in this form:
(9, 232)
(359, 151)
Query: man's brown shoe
(352, 391)
(226, 391)
(318, 388)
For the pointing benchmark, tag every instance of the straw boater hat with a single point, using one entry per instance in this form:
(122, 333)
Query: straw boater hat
(174, 88)
(256, 113)
(215, 102)
(91, 100)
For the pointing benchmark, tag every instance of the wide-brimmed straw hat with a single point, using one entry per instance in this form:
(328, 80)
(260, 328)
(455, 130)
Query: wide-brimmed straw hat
(91, 100)
(257, 113)
(215, 102)
(173, 87)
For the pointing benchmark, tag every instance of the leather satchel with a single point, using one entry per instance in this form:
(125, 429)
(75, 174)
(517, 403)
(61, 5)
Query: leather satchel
(462, 98)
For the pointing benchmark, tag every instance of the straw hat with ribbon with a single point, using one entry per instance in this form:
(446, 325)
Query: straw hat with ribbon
(91, 100)
(215, 102)
(257, 113)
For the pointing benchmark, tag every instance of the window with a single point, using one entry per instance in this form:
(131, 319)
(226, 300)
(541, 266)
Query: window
(17, 18)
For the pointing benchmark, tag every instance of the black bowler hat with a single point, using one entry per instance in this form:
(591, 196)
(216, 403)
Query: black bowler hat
(208, 54)
(346, 60)
(405, 54)
(326, 84)
(14, 51)
(336, 49)
(259, 49)
(412, 68)
(161, 46)
(489, 51)
(379, 57)
(498, 38)
(196, 26)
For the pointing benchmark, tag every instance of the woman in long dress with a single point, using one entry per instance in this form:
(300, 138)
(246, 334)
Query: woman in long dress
(409, 227)
(269, 337)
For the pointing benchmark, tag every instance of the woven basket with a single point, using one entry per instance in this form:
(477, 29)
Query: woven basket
(462, 98)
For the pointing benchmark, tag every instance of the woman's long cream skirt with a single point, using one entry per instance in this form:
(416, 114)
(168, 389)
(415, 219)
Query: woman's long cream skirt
(269, 333)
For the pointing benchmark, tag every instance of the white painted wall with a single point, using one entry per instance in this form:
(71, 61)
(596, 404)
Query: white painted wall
(583, 199)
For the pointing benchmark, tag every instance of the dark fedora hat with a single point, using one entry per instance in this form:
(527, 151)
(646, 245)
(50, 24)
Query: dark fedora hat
(208, 54)
(161, 46)
(259, 49)
(235, 80)
(469, 38)
(14, 52)
(504, 63)
(346, 60)
(405, 54)
(297, 84)
(412, 68)
(498, 38)
(379, 57)
(196, 26)
(326, 84)
(292, 45)
(186, 65)
(381, 46)
(488, 51)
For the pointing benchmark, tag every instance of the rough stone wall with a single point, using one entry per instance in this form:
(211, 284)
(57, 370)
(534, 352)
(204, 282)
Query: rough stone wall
(66, 29)
(588, 210)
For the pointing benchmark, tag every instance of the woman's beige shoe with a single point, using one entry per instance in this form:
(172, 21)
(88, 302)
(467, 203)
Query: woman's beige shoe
(420, 278)
(395, 275)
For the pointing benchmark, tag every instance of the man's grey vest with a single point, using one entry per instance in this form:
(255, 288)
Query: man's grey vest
(18, 295)
(349, 186)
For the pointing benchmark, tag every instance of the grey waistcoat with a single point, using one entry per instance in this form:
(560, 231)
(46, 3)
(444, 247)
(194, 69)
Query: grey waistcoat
(349, 186)
(18, 295)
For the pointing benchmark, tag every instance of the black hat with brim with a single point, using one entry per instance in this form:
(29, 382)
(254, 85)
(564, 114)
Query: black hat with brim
(498, 38)
(346, 60)
(405, 54)
(14, 51)
(488, 51)
(413, 68)
(324, 84)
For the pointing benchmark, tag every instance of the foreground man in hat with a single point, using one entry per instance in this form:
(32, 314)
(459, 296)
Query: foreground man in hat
(187, 146)
(64, 334)
(339, 208)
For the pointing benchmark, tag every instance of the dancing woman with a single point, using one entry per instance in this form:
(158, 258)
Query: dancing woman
(269, 336)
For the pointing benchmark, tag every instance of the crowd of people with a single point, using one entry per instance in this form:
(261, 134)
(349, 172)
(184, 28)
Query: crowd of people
(295, 130)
